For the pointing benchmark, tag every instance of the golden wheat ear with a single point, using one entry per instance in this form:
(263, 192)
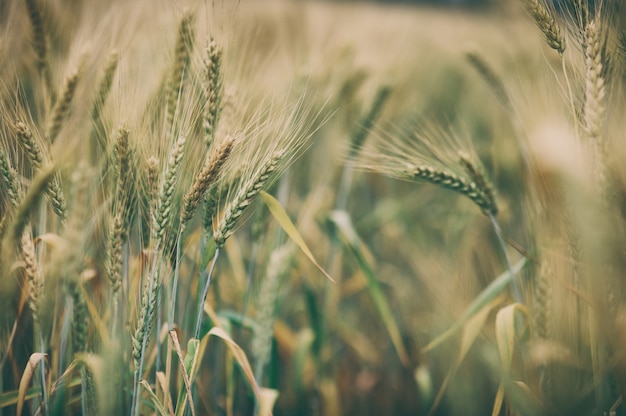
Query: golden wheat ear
(205, 179)
(547, 24)
(184, 46)
(213, 90)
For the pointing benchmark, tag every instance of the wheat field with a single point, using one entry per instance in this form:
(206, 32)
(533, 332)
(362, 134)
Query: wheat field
(312, 208)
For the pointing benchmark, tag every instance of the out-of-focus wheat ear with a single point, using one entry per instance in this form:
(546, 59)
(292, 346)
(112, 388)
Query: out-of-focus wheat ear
(104, 88)
(367, 122)
(91, 392)
(33, 273)
(542, 318)
(244, 197)
(205, 179)
(481, 181)
(493, 80)
(28, 143)
(594, 114)
(117, 235)
(25, 209)
(62, 106)
(144, 321)
(164, 210)
(122, 167)
(152, 165)
(9, 177)
(36, 156)
(80, 316)
(261, 346)
(213, 90)
(184, 47)
(98, 138)
(547, 24)
(39, 34)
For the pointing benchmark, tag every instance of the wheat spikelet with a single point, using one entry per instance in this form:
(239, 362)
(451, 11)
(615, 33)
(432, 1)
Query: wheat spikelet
(204, 179)
(36, 157)
(484, 186)
(104, 88)
(25, 209)
(213, 90)
(80, 324)
(595, 101)
(542, 302)
(117, 237)
(235, 209)
(153, 178)
(62, 106)
(91, 391)
(39, 37)
(98, 136)
(28, 143)
(10, 179)
(432, 155)
(268, 294)
(184, 46)
(18, 224)
(546, 23)
(122, 166)
(33, 273)
(163, 213)
(453, 182)
(493, 80)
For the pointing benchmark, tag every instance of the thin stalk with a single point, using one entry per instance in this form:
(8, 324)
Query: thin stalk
(517, 293)
(139, 371)
(205, 292)
(44, 390)
(172, 309)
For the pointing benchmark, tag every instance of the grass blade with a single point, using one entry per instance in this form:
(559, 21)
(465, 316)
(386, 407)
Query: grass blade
(27, 376)
(283, 219)
(155, 400)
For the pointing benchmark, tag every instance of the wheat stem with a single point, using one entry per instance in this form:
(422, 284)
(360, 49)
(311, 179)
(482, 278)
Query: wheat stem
(205, 292)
